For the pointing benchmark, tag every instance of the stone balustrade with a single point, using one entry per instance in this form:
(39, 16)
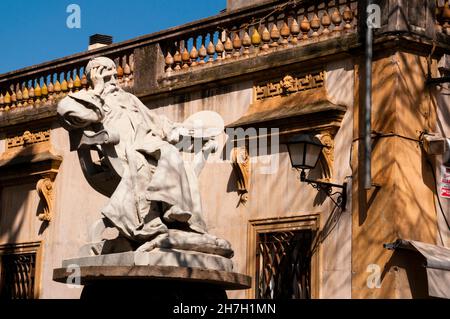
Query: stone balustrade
(44, 87)
(292, 24)
(164, 57)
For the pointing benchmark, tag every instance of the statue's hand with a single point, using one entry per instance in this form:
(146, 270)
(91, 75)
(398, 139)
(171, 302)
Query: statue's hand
(174, 135)
(97, 79)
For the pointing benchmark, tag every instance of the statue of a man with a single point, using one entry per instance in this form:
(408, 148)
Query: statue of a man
(157, 192)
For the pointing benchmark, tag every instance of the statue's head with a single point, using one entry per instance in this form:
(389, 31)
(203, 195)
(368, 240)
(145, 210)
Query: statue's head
(82, 108)
(106, 66)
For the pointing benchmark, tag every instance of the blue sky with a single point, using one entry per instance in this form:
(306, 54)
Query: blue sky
(33, 31)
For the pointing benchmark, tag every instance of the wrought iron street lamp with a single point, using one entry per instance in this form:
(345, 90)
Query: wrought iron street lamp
(304, 152)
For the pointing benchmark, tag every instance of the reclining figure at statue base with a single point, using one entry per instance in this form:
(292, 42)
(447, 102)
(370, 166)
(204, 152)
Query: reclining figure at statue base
(133, 155)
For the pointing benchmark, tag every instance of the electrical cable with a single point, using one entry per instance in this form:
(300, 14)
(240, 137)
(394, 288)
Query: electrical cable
(420, 141)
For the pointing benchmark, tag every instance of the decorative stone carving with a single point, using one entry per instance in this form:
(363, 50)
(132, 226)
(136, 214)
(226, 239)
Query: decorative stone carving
(44, 187)
(241, 167)
(28, 138)
(30, 157)
(327, 158)
(290, 84)
(154, 198)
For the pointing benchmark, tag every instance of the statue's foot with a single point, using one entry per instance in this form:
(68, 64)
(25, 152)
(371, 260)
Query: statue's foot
(154, 243)
(175, 214)
(182, 240)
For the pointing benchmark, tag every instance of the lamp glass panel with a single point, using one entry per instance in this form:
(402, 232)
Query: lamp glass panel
(312, 155)
(296, 151)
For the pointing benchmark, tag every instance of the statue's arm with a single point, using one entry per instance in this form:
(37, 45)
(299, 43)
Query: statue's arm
(166, 129)
(81, 108)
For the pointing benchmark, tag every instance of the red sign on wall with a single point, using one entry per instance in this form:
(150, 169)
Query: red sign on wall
(445, 182)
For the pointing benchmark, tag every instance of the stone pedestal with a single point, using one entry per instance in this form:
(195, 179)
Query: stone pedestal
(156, 275)
(151, 290)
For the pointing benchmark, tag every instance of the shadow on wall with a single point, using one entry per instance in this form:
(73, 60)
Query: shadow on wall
(11, 221)
(401, 107)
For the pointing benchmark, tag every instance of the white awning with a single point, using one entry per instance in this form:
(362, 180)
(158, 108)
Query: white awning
(437, 264)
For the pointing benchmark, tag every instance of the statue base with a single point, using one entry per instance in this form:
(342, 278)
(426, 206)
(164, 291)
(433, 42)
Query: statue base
(161, 291)
(156, 257)
(156, 275)
(153, 282)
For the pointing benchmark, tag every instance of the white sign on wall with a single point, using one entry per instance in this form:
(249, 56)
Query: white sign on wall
(444, 190)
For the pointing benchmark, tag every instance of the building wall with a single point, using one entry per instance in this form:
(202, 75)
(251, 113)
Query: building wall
(337, 250)
(278, 193)
(403, 200)
(77, 206)
(441, 102)
(402, 203)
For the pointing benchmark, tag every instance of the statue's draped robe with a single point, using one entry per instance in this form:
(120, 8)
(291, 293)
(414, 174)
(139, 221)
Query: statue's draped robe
(154, 170)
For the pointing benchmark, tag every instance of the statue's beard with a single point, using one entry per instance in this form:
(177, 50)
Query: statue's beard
(110, 86)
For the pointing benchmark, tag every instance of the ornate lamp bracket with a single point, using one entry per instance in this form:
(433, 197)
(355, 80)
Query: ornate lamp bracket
(340, 201)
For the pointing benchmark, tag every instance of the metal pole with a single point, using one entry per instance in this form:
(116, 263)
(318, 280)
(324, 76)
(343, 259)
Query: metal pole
(368, 104)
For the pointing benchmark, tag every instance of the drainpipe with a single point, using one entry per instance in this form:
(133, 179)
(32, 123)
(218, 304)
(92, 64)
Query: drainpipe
(368, 103)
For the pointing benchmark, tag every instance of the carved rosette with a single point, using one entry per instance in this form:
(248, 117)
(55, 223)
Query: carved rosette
(288, 84)
(44, 187)
(241, 166)
(327, 158)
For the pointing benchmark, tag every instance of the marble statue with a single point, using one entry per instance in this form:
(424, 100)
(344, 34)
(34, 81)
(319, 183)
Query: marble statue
(134, 156)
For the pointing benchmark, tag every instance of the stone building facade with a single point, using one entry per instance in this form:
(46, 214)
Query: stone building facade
(274, 69)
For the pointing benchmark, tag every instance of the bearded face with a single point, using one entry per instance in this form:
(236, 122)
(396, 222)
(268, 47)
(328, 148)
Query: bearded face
(101, 70)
